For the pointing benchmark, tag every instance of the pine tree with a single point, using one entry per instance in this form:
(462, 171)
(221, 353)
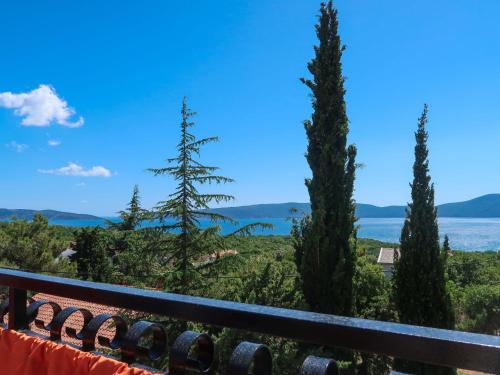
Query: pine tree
(181, 212)
(327, 250)
(419, 279)
(131, 217)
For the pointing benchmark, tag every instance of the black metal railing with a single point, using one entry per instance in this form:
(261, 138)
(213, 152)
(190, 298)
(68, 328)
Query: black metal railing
(420, 344)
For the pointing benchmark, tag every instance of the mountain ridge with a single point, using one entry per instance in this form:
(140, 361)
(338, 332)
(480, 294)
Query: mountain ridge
(485, 206)
(27, 214)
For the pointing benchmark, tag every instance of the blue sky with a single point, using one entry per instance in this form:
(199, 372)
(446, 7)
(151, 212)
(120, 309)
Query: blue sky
(123, 67)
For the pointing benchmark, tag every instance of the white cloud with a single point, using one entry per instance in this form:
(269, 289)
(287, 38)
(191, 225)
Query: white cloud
(53, 142)
(18, 147)
(73, 169)
(81, 184)
(40, 107)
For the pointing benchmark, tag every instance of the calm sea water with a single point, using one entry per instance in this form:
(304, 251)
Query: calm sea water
(464, 233)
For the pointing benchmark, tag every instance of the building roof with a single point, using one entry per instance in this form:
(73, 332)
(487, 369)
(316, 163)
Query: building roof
(386, 255)
(67, 253)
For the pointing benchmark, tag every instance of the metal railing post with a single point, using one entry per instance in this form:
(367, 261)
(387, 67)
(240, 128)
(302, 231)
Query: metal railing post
(17, 308)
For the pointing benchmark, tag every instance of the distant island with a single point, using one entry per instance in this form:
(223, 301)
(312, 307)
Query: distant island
(7, 214)
(486, 206)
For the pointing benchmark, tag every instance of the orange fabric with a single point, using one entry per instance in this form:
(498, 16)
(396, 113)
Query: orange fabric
(24, 355)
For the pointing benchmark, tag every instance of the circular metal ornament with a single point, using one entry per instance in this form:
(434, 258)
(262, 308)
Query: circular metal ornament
(319, 366)
(183, 361)
(90, 332)
(131, 349)
(250, 358)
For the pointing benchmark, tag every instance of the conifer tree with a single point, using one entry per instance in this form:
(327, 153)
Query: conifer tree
(419, 279)
(327, 251)
(446, 245)
(181, 212)
(91, 247)
(131, 217)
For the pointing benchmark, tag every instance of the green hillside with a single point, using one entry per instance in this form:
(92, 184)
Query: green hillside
(6, 214)
(484, 206)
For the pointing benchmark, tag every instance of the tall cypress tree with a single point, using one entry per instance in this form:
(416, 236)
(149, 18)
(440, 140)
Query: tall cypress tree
(327, 249)
(419, 279)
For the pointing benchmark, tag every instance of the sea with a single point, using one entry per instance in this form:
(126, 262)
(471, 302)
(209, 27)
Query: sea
(470, 234)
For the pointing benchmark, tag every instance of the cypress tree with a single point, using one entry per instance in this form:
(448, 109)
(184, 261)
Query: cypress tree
(327, 249)
(419, 279)
(446, 246)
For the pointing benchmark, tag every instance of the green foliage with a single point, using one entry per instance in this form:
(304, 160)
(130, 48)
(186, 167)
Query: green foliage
(372, 291)
(136, 258)
(264, 278)
(446, 245)
(264, 272)
(370, 248)
(92, 246)
(469, 268)
(180, 213)
(135, 252)
(420, 289)
(481, 309)
(326, 245)
(132, 216)
(300, 228)
(184, 206)
(33, 246)
(474, 282)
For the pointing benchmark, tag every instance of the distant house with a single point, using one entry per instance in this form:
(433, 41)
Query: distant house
(207, 259)
(67, 253)
(386, 259)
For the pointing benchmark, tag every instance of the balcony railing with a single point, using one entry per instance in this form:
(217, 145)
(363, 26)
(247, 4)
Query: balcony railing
(420, 344)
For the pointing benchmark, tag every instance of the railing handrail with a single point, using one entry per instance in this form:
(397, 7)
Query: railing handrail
(421, 344)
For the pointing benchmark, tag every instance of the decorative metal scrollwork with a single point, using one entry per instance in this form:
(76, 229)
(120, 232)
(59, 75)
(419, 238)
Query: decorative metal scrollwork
(183, 359)
(131, 348)
(192, 352)
(249, 358)
(319, 366)
(90, 332)
(32, 313)
(58, 322)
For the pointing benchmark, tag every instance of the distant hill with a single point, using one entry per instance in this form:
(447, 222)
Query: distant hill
(484, 206)
(369, 210)
(6, 214)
